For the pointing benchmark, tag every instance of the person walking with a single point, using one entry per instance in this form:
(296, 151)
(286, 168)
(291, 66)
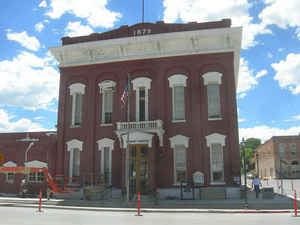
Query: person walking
(256, 184)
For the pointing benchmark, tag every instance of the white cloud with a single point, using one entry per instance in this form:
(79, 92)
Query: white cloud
(201, 11)
(74, 29)
(241, 120)
(280, 49)
(283, 13)
(242, 95)
(31, 43)
(39, 27)
(21, 125)
(95, 12)
(288, 73)
(270, 55)
(246, 78)
(298, 32)
(265, 133)
(294, 118)
(261, 73)
(43, 4)
(28, 81)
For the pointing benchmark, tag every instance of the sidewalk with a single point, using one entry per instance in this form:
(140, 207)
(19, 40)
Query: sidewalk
(279, 204)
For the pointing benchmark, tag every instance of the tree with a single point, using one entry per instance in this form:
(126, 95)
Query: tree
(250, 145)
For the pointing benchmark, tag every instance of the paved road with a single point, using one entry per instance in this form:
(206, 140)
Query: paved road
(29, 216)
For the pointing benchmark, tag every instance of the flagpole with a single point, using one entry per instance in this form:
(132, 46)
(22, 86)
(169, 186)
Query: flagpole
(143, 12)
(127, 149)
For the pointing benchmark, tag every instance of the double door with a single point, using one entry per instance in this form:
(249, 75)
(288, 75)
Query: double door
(139, 168)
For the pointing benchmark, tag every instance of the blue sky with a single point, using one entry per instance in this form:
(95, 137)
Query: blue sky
(269, 78)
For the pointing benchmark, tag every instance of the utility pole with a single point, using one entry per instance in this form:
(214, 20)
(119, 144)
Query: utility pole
(245, 172)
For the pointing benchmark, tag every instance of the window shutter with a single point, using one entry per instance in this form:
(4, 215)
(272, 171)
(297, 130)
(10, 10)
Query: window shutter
(213, 101)
(178, 102)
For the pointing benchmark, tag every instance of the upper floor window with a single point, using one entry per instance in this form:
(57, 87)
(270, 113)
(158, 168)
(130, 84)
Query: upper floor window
(281, 149)
(107, 90)
(142, 85)
(77, 90)
(212, 81)
(178, 83)
(293, 148)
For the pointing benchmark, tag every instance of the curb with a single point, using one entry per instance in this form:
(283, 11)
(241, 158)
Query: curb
(148, 210)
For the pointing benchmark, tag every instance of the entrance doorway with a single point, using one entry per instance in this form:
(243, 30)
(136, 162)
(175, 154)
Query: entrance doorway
(139, 168)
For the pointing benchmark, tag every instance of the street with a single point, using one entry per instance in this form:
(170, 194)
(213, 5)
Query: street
(30, 216)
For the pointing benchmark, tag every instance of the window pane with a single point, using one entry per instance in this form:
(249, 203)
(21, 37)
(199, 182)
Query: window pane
(10, 178)
(178, 107)
(40, 176)
(32, 177)
(213, 101)
(217, 162)
(142, 104)
(281, 149)
(293, 148)
(76, 162)
(78, 109)
(180, 163)
(107, 107)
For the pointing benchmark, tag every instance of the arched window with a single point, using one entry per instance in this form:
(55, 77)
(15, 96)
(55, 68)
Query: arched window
(77, 90)
(106, 88)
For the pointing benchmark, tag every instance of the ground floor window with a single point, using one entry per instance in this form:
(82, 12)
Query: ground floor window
(76, 162)
(36, 177)
(217, 163)
(10, 178)
(179, 164)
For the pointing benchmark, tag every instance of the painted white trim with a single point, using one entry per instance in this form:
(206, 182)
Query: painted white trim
(9, 164)
(77, 88)
(138, 138)
(141, 82)
(36, 164)
(106, 124)
(179, 140)
(102, 144)
(212, 78)
(203, 41)
(71, 145)
(106, 85)
(178, 121)
(215, 138)
(215, 118)
(177, 80)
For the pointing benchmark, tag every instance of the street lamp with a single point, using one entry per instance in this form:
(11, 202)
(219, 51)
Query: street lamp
(257, 165)
(243, 144)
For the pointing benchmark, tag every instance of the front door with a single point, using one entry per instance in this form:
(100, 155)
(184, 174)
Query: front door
(139, 168)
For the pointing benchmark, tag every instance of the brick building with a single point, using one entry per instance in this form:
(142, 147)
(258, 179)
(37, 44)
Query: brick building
(280, 153)
(183, 114)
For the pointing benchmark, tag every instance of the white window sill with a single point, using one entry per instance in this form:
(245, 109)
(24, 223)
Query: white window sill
(217, 183)
(75, 126)
(178, 121)
(106, 124)
(215, 118)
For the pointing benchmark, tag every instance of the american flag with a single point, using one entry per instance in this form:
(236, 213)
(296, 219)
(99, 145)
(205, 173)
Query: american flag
(124, 95)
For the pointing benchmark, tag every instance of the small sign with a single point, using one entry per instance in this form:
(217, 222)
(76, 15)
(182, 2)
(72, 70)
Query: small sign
(198, 178)
(1, 158)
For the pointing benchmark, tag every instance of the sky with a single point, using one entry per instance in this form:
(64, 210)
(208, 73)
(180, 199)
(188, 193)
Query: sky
(268, 93)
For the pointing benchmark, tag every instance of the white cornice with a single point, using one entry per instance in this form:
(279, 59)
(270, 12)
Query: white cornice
(152, 46)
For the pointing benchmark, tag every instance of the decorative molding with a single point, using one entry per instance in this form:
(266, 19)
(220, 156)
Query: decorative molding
(204, 41)
(177, 80)
(74, 143)
(215, 138)
(179, 140)
(106, 85)
(36, 164)
(141, 82)
(105, 142)
(212, 78)
(10, 164)
(77, 88)
(138, 138)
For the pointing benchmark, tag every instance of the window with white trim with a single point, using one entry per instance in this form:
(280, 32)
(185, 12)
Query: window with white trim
(107, 91)
(212, 81)
(281, 149)
(213, 101)
(76, 163)
(178, 83)
(180, 173)
(36, 177)
(77, 91)
(106, 146)
(107, 105)
(142, 85)
(10, 178)
(217, 163)
(293, 148)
